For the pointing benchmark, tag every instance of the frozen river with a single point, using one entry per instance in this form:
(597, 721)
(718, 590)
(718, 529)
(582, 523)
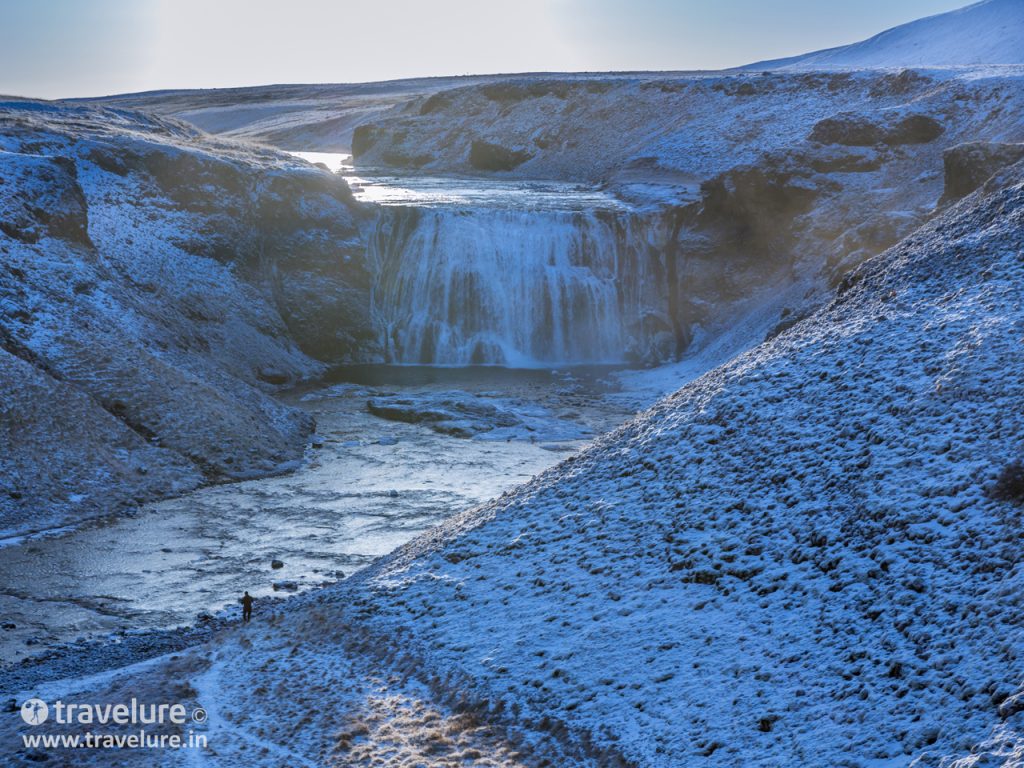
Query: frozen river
(367, 485)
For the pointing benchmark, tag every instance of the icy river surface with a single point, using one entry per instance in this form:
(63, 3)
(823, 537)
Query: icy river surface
(368, 484)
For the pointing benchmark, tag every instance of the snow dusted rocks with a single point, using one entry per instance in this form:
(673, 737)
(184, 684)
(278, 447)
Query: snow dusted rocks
(40, 197)
(894, 130)
(817, 172)
(752, 193)
(154, 286)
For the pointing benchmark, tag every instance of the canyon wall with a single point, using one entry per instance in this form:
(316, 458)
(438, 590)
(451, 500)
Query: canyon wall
(156, 287)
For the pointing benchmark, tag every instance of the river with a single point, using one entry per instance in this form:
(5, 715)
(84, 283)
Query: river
(366, 486)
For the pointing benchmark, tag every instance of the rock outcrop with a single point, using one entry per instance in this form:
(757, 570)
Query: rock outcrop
(862, 131)
(485, 156)
(158, 285)
(969, 165)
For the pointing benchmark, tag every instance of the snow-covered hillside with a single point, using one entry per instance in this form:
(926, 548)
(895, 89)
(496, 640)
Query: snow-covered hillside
(982, 34)
(156, 287)
(794, 560)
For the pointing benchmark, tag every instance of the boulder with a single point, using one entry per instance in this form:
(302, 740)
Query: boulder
(1012, 705)
(485, 156)
(452, 414)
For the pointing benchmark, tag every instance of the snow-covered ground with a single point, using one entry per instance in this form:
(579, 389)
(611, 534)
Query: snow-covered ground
(984, 34)
(792, 560)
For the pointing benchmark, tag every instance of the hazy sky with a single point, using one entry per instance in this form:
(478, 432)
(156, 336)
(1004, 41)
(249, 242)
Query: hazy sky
(54, 48)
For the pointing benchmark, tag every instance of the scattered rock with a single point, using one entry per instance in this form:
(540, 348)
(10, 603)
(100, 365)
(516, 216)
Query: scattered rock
(273, 376)
(1012, 705)
(275, 564)
(450, 415)
(914, 129)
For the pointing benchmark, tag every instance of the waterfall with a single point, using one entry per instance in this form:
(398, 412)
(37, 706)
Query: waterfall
(510, 287)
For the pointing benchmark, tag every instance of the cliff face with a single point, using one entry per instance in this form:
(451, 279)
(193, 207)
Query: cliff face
(155, 287)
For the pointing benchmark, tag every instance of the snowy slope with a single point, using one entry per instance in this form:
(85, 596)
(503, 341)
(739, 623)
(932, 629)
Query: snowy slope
(792, 561)
(983, 34)
(298, 117)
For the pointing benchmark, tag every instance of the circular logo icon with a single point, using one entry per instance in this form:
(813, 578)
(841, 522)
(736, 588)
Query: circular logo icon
(35, 711)
(199, 715)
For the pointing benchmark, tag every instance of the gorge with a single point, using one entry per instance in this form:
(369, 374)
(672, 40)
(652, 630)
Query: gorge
(616, 419)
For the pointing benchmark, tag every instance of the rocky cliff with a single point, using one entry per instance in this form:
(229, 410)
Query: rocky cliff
(156, 287)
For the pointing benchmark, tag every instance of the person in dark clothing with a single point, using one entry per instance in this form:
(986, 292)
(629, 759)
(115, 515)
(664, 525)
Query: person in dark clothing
(246, 606)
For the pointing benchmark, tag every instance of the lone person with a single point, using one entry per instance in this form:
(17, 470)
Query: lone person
(246, 606)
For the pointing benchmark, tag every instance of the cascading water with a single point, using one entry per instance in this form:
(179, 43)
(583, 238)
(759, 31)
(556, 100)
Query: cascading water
(459, 286)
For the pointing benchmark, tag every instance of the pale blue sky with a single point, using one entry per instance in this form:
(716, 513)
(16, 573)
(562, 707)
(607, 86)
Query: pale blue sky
(54, 48)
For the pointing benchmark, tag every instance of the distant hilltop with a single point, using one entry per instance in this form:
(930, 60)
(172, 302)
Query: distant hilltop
(986, 33)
